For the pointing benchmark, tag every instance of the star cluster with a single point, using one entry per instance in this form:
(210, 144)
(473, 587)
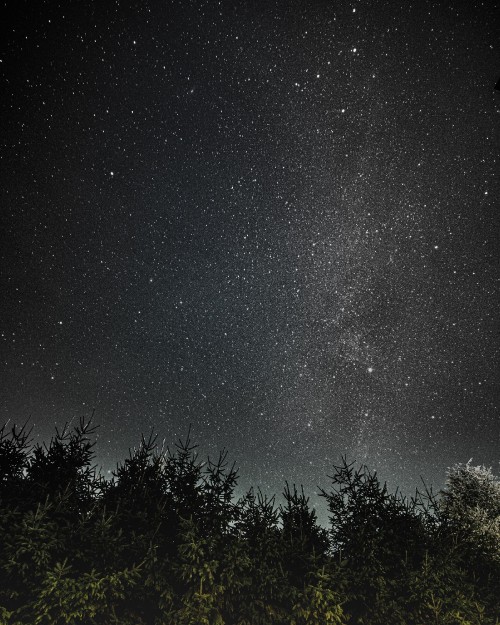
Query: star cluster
(275, 221)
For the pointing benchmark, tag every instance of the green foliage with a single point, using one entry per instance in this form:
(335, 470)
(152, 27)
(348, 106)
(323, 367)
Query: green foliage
(317, 603)
(69, 599)
(166, 543)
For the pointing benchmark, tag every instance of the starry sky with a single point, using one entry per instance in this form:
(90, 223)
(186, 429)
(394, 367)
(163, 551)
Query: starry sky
(275, 221)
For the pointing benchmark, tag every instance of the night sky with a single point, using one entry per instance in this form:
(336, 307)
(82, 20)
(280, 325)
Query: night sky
(275, 221)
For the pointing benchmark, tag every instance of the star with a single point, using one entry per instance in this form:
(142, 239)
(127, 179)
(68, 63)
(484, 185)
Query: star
(291, 248)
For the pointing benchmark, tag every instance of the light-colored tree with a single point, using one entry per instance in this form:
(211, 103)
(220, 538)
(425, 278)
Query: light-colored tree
(471, 500)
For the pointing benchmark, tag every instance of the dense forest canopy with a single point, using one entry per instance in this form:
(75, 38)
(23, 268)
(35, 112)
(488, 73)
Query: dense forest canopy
(166, 542)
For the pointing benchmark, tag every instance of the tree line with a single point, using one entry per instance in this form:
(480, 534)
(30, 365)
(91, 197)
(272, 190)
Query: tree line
(166, 542)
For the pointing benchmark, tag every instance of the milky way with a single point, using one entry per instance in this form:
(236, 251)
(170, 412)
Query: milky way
(276, 222)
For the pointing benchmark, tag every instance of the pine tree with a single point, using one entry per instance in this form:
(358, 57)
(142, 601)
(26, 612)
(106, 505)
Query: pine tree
(305, 544)
(164, 542)
(318, 603)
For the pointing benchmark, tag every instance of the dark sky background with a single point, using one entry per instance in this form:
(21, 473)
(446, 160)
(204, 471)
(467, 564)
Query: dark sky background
(276, 221)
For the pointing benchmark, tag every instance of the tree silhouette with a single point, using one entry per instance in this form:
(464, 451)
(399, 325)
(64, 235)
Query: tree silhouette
(166, 542)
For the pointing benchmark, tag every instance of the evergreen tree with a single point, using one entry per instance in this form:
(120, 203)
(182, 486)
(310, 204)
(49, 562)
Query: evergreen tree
(374, 533)
(165, 543)
(318, 603)
(15, 448)
(305, 544)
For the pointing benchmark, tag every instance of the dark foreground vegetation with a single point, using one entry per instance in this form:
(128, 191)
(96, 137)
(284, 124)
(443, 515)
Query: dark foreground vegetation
(165, 543)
